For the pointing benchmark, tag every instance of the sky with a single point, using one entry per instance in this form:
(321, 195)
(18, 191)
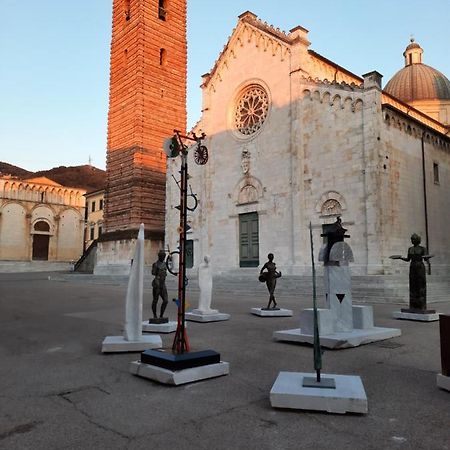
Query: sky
(54, 69)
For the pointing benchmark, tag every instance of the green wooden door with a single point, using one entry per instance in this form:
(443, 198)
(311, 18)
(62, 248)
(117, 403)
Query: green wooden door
(189, 254)
(248, 240)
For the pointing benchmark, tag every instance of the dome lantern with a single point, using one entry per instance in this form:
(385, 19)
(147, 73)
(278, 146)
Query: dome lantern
(413, 53)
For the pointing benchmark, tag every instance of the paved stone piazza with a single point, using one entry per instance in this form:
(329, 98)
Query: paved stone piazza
(59, 391)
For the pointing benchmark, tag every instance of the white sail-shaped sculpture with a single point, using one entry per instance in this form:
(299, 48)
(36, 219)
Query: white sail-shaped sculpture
(132, 339)
(135, 292)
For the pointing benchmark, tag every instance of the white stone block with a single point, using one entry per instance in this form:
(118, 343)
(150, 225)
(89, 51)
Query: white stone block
(362, 316)
(413, 316)
(324, 320)
(271, 312)
(113, 344)
(178, 377)
(341, 339)
(348, 396)
(340, 296)
(168, 327)
(198, 316)
(443, 382)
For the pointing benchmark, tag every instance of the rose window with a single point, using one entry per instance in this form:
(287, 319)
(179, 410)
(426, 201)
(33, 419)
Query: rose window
(251, 110)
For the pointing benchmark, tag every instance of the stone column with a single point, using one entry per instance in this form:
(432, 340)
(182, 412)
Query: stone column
(56, 238)
(372, 121)
(29, 243)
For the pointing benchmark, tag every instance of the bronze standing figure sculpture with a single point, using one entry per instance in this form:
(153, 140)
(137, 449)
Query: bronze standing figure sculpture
(417, 278)
(270, 277)
(159, 270)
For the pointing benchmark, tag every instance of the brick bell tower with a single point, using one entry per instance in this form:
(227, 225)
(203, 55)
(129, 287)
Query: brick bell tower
(147, 101)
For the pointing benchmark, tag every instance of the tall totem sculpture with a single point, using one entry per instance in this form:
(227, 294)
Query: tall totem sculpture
(175, 146)
(181, 365)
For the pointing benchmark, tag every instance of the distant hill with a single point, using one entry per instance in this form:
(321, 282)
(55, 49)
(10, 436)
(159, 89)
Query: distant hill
(9, 169)
(84, 177)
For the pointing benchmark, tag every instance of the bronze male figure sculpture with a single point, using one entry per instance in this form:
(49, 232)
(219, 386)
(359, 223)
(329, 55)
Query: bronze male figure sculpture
(159, 270)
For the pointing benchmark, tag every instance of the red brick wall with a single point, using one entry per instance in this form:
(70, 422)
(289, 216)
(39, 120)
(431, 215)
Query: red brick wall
(147, 101)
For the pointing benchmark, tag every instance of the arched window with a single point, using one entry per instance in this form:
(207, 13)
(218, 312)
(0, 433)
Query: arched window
(42, 226)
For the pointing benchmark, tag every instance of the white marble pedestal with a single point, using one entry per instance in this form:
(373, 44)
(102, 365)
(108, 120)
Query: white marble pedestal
(443, 382)
(431, 317)
(177, 377)
(197, 315)
(348, 396)
(271, 312)
(116, 344)
(363, 331)
(168, 327)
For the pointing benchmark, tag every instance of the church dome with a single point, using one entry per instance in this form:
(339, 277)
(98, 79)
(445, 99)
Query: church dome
(417, 81)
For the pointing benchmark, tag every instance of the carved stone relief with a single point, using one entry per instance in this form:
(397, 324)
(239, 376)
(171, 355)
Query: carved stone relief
(331, 207)
(245, 161)
(248, 194)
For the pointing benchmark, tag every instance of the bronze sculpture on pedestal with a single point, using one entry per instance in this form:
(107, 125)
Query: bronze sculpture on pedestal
(159, 270)
(270, 277)
(417, 278)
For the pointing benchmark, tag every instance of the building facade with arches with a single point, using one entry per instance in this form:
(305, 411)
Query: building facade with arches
(295, 139)
(40, 220)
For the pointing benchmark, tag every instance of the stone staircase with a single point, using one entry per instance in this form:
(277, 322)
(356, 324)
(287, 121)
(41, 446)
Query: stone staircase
(365, 289)
(35, 266)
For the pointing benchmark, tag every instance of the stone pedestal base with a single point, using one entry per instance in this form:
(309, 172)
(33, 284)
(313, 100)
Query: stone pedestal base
(344, 339)
(116, 344)
(443, 382)
(168, 327)
(158, 320)
(348, 396)
(420, 317)
(331, 336)
(262, 312)
(197, 315)
(177, 377)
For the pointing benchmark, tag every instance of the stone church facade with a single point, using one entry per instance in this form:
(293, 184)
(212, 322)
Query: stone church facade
(294, 138)
(40, 220)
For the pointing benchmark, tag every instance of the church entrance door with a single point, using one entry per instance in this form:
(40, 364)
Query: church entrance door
(41, 238)
(248, 240)
(40, 246)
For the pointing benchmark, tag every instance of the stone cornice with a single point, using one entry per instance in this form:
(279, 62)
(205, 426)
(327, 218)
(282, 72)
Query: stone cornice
(249, 29)
(390, 101)
(335, 84)
(417, 126)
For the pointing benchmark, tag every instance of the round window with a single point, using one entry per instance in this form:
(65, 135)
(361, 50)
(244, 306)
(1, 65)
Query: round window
(251, 110)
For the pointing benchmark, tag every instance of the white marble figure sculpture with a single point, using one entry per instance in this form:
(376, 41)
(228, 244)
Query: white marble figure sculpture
(204, 313)
(205, 284)
(135, 292)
